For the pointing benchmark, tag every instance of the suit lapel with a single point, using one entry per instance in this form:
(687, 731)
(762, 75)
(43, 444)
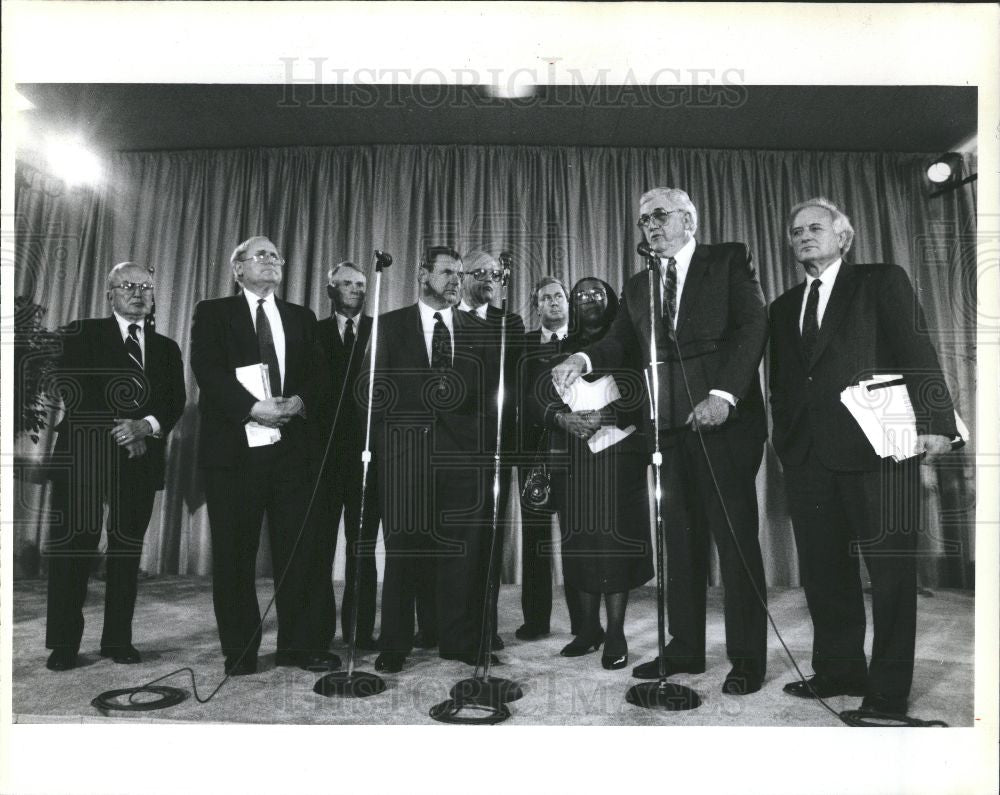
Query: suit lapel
(790, 322)
(112, 342)
(241, 324)
(694, 282)
(836, 309)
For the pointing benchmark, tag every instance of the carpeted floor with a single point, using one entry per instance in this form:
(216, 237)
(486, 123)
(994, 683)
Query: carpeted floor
(175, 627)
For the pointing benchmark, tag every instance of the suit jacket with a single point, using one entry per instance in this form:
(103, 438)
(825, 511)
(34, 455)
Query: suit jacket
(100, 384)
(721, 333)
(873, 324)
(222, 339)
(350, 431)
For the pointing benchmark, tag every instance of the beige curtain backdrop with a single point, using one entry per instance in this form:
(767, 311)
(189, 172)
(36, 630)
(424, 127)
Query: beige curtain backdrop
(566, 211)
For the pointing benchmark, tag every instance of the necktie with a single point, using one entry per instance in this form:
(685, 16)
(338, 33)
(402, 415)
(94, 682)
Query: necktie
(268, 354)
(133, 347)
(349, 334)
(440, 345)
(554, 339)
(810, 323)
(670, 291)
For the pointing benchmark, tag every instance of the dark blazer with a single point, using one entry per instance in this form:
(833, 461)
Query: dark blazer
(350, 432)
(99, 384)
(222, 339)
(515, 340)
(721, 334)
(873, 324)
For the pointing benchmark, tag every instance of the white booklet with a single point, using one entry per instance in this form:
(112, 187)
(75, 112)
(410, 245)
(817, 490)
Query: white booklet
(594, 396)
(254, 379)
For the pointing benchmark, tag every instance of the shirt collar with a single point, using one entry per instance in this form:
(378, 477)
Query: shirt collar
(427, 313)
(479, 311)
(342, 318)
(682, 258)
(252, 298)
(827, 277)
(124, 323)
(560, 332)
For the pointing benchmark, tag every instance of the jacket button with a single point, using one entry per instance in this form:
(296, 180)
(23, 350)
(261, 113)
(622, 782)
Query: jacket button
(426, 430)
(809, 378)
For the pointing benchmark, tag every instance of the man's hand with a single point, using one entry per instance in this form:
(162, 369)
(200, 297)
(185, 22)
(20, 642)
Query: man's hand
(710, 413)
(136, 448)
(275, 412)
(933, 446)
(566, 373)
(126, 432)
(582, 424)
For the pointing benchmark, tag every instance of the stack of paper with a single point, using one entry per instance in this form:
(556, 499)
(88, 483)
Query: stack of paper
(881, 406)
(594, 396)
(254, 379)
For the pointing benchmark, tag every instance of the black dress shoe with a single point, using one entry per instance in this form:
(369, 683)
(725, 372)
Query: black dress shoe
(612, 662)
(742, 680)
(881, 704)
(528, 632)
(820, 686)
(581, 645)
(390, 662)
(674, 665)
(470, 658)
(123, 655)
(498, 644)
(286, 659)
(319, 661)
(61, 660)
(244, 667)
(424, 640)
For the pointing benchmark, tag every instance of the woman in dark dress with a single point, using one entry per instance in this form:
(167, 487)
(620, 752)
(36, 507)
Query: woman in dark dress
(602, 497)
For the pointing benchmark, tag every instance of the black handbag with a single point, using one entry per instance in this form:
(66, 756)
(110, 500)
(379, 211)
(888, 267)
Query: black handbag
(536, 494)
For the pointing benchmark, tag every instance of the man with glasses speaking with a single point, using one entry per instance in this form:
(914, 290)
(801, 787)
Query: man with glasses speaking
(256, 361)
(711, 328)
(122, 386)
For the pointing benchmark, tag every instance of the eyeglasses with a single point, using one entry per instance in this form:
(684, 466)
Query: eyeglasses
(659, 215)
(589, 296)
(265, 256)
(130, 287)
(485, 275)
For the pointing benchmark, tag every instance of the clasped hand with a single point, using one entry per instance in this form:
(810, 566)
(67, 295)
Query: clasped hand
(710, 413)
(582, 424)
(276, 411)
(131, 435)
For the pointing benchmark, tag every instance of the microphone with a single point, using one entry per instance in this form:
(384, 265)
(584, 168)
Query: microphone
(383, 259)
(652, 258)
(506, 262)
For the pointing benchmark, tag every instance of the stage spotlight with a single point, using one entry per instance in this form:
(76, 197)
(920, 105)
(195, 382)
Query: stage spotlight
(945, 174)
(71, 161)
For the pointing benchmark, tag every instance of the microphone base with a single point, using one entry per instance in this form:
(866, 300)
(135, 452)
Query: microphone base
(357, 684)
(486, 690)
(469, 713)
(663, 695)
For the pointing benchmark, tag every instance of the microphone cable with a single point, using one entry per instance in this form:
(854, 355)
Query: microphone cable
(170, 696)
(851, 717)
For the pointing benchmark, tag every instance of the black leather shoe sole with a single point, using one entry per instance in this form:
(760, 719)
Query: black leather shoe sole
(651, 669)
(879, 704)
(530, 633)
(61, 660)
(129, 656)
(822, 687)
(612, 662)
(323, 661)
(242, 668)
(389, 663)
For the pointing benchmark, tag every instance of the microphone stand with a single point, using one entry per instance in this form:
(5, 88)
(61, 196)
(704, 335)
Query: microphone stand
(485, 693)
(661, 694)
(352, 683)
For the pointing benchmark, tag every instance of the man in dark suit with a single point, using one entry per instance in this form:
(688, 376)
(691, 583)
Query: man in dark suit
(539, 353)
(435, 429)
(845, 323)
(123, 389)
(344, 337)
(711, 328)
(244, 481)
(479, 289)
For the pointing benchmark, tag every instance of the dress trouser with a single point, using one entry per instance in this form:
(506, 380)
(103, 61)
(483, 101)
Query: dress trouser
(692, 514)
(839, 518)
(79, 494)
(536, 568)
(274, 482)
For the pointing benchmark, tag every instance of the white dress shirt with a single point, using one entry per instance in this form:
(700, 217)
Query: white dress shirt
(561, 333)
(427, 321)
(274, 320)
(826, 279)
(479, 311)
(123, 324)
(342, 324)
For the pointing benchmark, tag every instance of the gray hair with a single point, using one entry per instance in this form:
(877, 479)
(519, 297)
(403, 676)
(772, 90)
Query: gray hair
(545, 281)
(678, 197)
(243, 248)
(122, 266)
(841, 223)
(335, 269)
